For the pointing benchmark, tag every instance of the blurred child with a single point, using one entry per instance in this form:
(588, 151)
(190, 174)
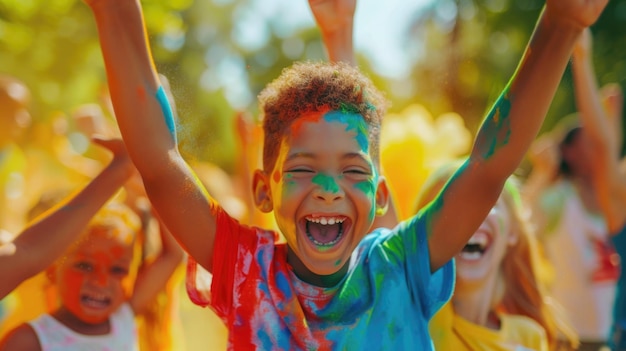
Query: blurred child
(94, 278)
(48, 237)
(331, 285)
(569, 166)
(498, 302)
(601, 125)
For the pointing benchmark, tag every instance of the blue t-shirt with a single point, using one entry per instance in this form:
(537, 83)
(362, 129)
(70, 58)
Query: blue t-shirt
(384, 302)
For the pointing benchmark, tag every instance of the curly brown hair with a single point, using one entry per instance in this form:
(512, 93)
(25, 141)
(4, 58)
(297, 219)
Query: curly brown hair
(314, 87)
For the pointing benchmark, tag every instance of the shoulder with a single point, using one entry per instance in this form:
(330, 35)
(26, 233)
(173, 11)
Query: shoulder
(21, 338)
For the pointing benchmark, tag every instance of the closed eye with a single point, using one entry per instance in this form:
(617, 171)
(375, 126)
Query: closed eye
(357, 171)
(300, 170)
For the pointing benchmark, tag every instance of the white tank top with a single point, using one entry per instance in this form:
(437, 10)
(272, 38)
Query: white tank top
(54, 336)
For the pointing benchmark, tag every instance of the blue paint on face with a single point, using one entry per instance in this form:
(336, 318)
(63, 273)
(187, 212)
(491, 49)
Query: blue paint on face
(354, 121)
(168, 114)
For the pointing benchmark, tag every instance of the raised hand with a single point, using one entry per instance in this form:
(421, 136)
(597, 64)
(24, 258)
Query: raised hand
(332, 15)
(118, 149)
(578, 13)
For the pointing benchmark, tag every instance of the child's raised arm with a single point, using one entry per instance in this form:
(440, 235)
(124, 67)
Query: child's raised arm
(147, 125)
(52, 233)
(603, 141)
(153, 276)
(509, 128)
(335, 19)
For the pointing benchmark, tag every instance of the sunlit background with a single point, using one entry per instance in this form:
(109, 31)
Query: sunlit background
(447, 55)
(441, 62)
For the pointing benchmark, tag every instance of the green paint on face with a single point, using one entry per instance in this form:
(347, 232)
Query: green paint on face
(368, 187)
(289, 185)
(327, 182)
(337, 263)
(496, 129)
(353, 121)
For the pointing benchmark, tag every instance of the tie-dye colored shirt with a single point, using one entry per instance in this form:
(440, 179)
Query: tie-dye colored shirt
(383, 303)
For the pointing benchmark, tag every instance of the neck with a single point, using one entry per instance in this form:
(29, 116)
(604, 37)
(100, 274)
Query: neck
(68, 319)
(474, 302)
(307, 276)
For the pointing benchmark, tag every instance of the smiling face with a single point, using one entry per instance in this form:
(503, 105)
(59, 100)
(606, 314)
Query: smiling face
(482, 256)
(324, 190)
(90, 277)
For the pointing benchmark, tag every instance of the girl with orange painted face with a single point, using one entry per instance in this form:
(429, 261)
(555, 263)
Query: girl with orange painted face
(99, 290)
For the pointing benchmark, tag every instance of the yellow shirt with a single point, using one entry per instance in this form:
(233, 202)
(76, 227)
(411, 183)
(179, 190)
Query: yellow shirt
(517, 333)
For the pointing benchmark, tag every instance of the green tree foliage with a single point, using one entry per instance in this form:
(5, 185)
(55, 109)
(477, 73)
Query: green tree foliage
(52, 46)
(466, 51)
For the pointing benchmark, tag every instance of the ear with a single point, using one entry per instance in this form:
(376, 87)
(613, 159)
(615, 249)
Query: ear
(262, 191)
(382, 197)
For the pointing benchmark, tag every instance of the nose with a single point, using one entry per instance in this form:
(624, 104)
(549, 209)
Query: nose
(99, 277)
(327, 188)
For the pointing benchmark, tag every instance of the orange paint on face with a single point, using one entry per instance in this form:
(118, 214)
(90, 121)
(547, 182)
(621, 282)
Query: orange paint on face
(276, 176)
(296, 126)
(90, 279)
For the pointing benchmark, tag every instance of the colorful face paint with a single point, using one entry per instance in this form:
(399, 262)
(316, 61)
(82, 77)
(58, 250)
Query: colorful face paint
(327, 183)
(324, 152)
(90, 279)
(168, 114)
(354, 122)
(369, 189)
(276, 176)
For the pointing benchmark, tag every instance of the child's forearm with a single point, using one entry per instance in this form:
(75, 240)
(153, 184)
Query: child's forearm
(592, 113)
(133, 83)
(339, 44)
(335, 19)
(146, 122)
(53, 232)
(517, 115)
(153, 277)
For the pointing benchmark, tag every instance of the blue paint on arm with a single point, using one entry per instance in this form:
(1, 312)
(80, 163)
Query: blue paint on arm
(168, 114)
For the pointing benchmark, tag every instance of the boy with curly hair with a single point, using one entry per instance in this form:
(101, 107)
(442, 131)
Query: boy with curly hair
(335, 283)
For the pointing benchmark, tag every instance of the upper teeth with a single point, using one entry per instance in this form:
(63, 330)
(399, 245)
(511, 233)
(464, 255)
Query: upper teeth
(479, 239)
(326, 220)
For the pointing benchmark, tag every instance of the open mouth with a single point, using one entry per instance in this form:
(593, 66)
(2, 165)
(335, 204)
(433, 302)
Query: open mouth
(95, 301)
(476, 247)
(324, 231)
